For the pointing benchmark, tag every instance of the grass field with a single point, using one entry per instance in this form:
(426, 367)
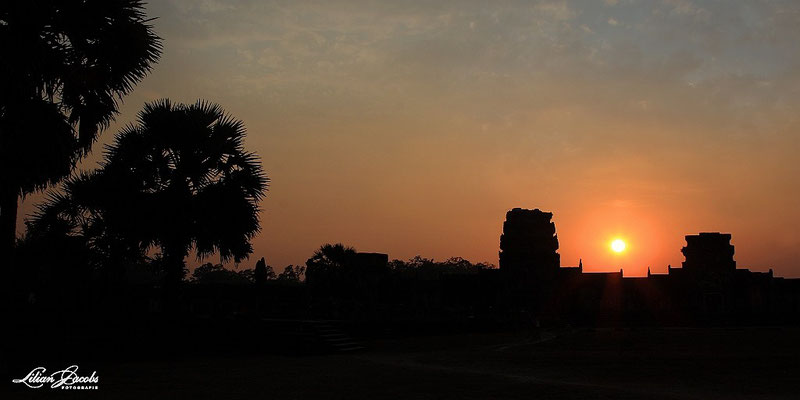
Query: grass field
(646, 363)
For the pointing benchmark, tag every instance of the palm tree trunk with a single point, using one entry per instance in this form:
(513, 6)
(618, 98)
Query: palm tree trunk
(8, 226)
(174, 275)
(174, 265)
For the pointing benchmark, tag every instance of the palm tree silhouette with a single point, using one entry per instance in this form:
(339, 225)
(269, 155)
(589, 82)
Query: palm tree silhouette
(181, 179)
(65, 66)
(329, 264)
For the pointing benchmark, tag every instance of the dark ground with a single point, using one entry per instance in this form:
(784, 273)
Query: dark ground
(644, 363)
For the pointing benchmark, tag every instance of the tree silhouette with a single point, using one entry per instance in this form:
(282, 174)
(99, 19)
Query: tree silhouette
(292, 273)
(209, 273)
(328, 264)
(65, 65)
(179, 179)
(83, 210)
(263, 272)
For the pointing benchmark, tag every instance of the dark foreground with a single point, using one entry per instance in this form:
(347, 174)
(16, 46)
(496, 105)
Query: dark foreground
(644, 363)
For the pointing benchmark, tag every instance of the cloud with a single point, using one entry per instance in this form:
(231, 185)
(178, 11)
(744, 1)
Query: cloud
(558, 10)
(686, 7)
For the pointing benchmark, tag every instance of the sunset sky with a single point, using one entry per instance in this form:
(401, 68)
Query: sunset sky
(412, 127)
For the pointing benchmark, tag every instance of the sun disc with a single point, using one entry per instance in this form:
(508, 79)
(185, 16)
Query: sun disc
(618, 245)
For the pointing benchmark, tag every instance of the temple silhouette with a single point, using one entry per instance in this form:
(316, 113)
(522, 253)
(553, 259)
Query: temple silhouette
(708, 287)
(530, 286)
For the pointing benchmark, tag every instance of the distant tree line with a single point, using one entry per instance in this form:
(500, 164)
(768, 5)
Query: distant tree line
(334, 265)
(209, 273)
(420, 266)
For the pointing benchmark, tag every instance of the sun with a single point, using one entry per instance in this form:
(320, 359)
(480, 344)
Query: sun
(618, 245)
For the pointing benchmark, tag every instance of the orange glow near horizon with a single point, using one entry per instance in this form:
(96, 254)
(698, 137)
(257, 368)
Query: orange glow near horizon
(602, 239)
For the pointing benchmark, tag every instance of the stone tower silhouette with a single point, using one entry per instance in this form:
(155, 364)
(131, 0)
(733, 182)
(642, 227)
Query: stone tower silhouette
(529, 243)
(709, 252)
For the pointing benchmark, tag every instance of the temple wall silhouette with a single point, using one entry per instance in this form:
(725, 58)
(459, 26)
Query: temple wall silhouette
(530, 286)
(708, 287)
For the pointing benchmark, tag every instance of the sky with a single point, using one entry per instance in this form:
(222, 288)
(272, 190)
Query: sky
(410, 128)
